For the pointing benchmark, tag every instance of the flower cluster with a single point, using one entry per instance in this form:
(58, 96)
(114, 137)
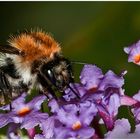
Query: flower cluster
(100, 97)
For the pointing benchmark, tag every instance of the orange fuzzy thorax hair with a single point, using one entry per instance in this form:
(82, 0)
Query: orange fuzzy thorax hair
(35, 45)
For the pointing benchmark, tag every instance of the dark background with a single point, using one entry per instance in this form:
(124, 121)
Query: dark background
(93, 32)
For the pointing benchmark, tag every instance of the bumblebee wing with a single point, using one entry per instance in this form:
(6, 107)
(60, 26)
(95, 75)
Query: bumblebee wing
(4, 50)
(9, 50)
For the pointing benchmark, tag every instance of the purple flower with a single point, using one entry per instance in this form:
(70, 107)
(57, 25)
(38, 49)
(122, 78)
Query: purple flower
(108, 101)
(6, 119)
(128, 101)
(79, 89)
(100, 95)
(108, 110)
(73, 120)
(25, 114)
(134, 103)
(66, 132)
(111, 80)
(104, 91)
(136, 107)
(33, 119)
(91, 76)
(48, 127)
(134, 53)
(121, 130)
(39, 136)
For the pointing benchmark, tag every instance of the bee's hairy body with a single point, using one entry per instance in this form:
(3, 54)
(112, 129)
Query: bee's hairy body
(32, 59)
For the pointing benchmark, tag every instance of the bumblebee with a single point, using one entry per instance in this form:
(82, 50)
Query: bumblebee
(33, 59)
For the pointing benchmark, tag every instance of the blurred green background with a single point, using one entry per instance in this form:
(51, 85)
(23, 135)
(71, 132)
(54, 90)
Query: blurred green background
(93, 32)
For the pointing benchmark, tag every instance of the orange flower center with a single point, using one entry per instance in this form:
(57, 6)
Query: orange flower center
(137, 58)
(24, 111)
(77, 125)
(93, 89)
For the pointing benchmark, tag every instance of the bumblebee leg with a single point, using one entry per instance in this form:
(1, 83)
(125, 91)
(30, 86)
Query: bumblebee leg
(51, 91)
(47, 87)
(10, 106)
(44, 93)
(6, 90)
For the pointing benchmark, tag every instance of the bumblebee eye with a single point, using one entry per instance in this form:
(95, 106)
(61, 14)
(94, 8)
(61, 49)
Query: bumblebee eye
(49, 72)
(50, 75)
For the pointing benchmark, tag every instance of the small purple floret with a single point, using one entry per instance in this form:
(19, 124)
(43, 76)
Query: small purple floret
(133, 52)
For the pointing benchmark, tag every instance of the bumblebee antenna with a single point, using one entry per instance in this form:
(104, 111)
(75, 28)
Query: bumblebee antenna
(78, 62)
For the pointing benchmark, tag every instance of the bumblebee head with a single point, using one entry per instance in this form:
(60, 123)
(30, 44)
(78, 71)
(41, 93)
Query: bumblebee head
(58, 72)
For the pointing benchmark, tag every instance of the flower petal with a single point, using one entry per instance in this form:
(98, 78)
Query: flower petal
(78, 88)
(15, 103)
(6, 119)
(48, 127)
(90, 76)
(134, 53)
(114, 104)
(120, 130)
(67, 118)
(36, 102)
(86, 133)
(54, 105)
(107, 118)
(126, 100)
(63, 133)
(137, 96)
(33, 119)
(111, 80)
(87, 113)
(39, 136)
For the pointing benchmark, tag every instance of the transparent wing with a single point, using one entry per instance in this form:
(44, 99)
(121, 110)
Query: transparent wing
(9, 49)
